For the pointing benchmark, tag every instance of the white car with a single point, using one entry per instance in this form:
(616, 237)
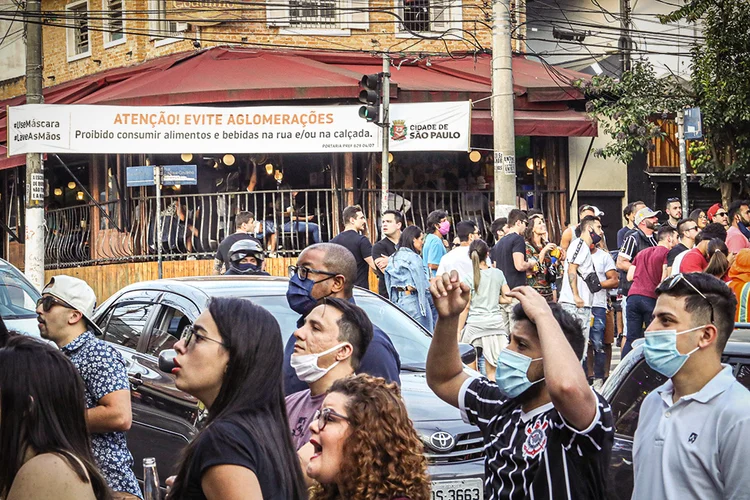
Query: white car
(18, 300)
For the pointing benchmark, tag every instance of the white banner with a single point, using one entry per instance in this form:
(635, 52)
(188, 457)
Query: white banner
(57, 128)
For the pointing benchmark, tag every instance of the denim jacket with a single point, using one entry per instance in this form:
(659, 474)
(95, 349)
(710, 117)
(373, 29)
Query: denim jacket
(406, 268)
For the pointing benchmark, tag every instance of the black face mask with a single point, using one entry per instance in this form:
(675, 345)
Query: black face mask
(595, 238)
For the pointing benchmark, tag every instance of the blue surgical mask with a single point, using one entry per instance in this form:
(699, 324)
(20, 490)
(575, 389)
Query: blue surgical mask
(248, 268)
(661, 351)
(299, 294)
(511, 375)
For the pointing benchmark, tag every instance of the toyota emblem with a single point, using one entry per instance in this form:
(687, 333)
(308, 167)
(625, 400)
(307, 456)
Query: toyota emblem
(442, 441)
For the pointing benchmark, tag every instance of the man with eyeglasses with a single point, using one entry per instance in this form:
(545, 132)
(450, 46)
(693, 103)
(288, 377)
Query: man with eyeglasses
(458, 258)
(739, 215)
(696, 260)
(687, 231)
(693, 435)
(674, 212)
(329, 270)
(718, 215)
(64, 314)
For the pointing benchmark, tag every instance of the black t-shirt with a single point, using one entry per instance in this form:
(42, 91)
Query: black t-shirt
(502, 256)
(537, 454)
(383, 247)
(676, 250)
(360, 247)
(222, 253)
(226, 442)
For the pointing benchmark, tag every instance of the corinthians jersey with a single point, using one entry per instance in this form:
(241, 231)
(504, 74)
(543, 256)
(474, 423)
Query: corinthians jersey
(536, 455)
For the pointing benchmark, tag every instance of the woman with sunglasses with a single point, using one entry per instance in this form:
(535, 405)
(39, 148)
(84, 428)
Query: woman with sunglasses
(46, 450)
(231, 360)
(699, 216)
(542, 277)
(365, 446)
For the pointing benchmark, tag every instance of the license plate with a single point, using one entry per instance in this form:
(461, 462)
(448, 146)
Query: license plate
(462, 489)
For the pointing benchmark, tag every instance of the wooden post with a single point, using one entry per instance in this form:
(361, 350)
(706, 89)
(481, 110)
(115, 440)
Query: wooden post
(349, 179)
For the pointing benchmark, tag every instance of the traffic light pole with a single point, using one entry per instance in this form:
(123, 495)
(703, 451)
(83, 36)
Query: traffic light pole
(504, 140)
(386, 132)
(34, 233)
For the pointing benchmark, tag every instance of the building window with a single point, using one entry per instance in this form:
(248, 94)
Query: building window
(314, 13)
(161, 25)
(113, 22)
(323, 15)
(430, 15)
(78, 35)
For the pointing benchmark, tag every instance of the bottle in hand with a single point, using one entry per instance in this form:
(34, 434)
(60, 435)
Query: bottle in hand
(151, 490)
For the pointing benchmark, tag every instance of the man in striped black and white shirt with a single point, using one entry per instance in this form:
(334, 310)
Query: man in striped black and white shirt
(544, 437)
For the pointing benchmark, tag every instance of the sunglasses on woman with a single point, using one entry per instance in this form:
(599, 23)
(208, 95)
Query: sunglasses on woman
(189, 333)
(681, 277)
(327, 415)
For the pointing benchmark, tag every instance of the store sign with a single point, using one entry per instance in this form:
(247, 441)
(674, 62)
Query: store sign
(205, 13)
(90, 129)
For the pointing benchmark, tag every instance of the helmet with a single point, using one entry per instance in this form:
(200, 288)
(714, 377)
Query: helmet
(245, 248)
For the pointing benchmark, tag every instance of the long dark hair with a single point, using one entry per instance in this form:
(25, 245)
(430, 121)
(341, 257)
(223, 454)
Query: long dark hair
(717, 254)
(251, 393)
(408, 236)
(478, 251)
(42, 403)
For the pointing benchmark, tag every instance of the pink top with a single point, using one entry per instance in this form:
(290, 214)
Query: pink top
(736, 241)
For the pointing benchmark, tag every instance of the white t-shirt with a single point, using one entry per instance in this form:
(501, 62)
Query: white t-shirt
(578, 253)
(677, 262)
(602, 263)
(458, 259)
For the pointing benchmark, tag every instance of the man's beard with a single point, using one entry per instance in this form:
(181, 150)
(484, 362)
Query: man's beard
(530, 393)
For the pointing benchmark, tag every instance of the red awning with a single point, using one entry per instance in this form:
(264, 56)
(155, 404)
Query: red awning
(539, 123)
(12, 161)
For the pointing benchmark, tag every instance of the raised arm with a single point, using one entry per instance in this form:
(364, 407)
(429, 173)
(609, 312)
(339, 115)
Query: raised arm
(445, 373)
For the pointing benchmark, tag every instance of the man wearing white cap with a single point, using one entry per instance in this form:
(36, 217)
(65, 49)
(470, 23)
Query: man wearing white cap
(64, 315)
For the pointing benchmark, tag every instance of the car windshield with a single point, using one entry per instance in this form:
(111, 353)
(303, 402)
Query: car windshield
(17, 297)
(408, 338)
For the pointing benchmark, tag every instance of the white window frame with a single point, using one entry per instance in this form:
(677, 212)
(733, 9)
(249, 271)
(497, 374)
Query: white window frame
(107, 34)
(154, 24)
(278, 13)
(453, 19)
(70, 35)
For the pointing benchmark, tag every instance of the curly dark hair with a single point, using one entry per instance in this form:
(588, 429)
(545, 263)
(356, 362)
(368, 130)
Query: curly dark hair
(384, 456)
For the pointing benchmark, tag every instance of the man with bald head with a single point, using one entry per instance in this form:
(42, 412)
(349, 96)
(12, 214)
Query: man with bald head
(330, 270)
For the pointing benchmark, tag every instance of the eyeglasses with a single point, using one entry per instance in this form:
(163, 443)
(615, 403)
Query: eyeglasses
(327, 415)
(48, 301)
(721, 214)
(702, 216)
(681, 277)
(689, 229)
(303, 272)
(189, 333)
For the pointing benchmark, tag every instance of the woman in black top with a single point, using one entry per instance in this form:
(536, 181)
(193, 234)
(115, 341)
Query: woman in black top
(231, 360)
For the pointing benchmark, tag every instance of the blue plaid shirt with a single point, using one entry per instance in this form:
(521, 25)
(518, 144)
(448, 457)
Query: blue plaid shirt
(103, 371)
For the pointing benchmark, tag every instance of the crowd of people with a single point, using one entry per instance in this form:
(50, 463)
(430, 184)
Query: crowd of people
(322, 416)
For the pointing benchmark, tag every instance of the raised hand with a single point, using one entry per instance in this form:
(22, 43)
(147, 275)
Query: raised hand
(449, 294)
(534, 305)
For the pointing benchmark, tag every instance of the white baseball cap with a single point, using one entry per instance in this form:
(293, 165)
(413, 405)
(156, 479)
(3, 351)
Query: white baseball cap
(645, 213)
(76, 293)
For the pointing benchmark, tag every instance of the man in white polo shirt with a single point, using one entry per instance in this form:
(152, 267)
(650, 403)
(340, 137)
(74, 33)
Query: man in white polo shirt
(693, 436)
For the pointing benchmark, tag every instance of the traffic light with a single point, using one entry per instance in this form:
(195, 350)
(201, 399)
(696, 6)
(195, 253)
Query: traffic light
(370, 97)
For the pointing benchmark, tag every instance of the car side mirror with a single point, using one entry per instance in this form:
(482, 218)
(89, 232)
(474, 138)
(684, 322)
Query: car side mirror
(166, 360)
(467, 352)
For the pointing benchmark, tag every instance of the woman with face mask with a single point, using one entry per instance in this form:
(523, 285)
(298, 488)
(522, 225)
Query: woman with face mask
(542, 277)
(438, 227)
(407, 278)
(231, 361)
(365, 446)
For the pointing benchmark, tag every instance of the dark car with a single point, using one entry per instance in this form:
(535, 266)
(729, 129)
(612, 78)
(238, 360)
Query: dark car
(145, 318)
(629, 385)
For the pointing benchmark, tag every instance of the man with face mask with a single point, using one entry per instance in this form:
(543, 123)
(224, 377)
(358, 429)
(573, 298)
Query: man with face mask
(546, 433)
(327, 347)
(575, 297)
(693, 435)
(246, 259)
(739, 214)
(647, 271)
(329, 270)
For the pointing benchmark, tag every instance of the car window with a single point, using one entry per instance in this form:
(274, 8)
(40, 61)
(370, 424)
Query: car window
(127, 323)
(408, 338)
(167, 331)
(626, 404)
(17, 297)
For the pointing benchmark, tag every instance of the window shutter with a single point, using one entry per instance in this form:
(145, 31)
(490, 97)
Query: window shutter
(439, 15)
(277, 12)
(456, 15)
(360, 17)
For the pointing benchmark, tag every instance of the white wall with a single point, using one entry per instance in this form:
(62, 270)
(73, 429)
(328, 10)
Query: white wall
(599, 174)
(13, 47)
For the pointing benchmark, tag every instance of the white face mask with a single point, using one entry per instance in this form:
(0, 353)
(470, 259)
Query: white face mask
(306, 365)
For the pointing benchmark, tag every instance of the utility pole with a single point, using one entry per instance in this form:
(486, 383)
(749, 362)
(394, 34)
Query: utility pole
(504, 139)
(683, 160)
(384, 173)
(34, 234)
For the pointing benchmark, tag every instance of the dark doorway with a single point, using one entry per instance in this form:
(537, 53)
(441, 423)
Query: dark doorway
(609, 202)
